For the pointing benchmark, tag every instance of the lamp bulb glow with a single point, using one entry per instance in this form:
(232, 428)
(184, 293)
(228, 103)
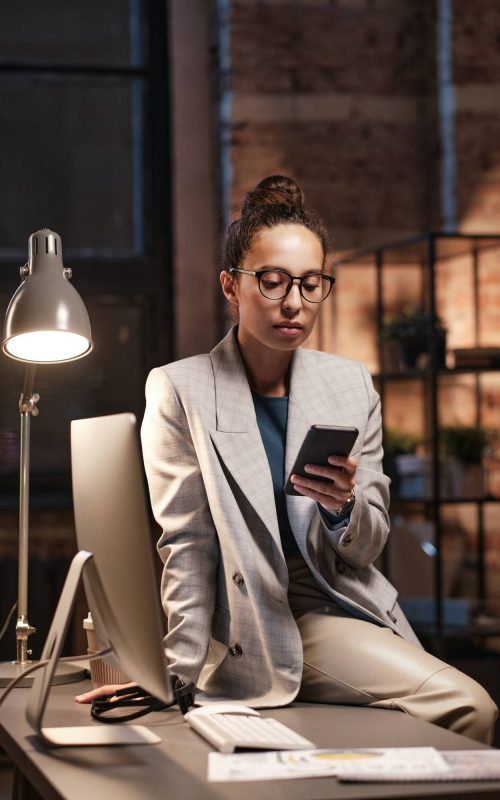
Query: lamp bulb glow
(47, 346)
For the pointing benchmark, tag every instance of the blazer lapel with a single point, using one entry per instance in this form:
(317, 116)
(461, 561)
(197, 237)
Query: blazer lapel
(237, 437)
(311, 402)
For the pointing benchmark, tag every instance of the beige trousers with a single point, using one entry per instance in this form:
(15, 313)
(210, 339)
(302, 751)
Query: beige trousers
(350, 661)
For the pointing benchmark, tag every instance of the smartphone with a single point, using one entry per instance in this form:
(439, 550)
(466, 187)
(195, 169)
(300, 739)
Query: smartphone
(320, 442)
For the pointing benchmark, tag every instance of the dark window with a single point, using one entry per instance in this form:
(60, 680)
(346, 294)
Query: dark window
(85, 152)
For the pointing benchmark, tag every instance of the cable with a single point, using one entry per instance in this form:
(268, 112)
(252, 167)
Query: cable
(137, 698)
(12, 685)
(7, 621)
(132, 696)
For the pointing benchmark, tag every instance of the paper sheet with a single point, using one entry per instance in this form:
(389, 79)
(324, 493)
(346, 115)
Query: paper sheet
(462, 765)
(287, 764)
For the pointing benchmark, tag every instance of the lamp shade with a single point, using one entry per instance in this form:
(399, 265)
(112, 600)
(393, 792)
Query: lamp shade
(46, 320)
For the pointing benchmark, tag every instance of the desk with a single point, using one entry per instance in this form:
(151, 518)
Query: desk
(176, 769)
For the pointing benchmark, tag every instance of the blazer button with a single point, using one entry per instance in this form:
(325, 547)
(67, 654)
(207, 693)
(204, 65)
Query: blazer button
(238, 579)
(346, 541)
(340, 566)
(235, 651)
(391, 616)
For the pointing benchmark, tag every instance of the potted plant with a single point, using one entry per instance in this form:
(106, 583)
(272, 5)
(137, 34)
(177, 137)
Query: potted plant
(464, 445)
(410, 332)
(407, 469)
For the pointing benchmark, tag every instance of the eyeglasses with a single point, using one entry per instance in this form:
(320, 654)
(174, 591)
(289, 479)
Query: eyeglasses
(275, 284)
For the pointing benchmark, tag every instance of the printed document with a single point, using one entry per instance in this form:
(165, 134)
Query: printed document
(358, 764)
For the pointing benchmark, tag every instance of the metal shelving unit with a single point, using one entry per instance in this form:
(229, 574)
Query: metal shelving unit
(426, 254)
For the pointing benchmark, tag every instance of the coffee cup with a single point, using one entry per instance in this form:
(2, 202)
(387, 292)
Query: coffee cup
(101, 674)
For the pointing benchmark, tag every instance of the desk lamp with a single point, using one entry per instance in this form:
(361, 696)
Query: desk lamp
(46, 323)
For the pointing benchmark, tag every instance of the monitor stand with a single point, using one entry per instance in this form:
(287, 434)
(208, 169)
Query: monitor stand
(94, 734)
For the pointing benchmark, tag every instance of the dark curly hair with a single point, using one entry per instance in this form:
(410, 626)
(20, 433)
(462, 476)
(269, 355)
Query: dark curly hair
(276, 200)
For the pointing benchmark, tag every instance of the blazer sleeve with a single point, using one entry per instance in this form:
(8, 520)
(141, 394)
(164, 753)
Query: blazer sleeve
(188, 545)
(362, 536)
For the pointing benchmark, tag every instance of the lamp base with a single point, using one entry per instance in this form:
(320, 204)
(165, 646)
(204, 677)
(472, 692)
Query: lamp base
(65, 673)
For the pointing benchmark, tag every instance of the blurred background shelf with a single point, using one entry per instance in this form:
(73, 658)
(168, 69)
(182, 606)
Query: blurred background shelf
(434, 307)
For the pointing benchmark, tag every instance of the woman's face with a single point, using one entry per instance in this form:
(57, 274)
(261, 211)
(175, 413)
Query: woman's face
(276, 324)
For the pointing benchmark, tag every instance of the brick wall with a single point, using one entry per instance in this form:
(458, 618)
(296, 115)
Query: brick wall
(339, 95)
(343, 96)
(476, 69)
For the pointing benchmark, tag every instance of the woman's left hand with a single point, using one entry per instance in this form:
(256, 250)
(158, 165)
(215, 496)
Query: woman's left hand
(336, 485)
(101, 691)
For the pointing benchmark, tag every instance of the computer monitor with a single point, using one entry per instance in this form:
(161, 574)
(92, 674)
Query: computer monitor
(116, 560)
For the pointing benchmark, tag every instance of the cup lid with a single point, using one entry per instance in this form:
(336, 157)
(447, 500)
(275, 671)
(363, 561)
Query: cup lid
(88, 622)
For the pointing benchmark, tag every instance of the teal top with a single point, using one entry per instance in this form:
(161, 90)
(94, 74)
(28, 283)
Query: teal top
(272, 415)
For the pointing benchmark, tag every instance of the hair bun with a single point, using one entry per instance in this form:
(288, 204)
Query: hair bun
(274, 190)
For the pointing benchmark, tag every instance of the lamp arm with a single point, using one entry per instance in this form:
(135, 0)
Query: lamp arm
(27, 408)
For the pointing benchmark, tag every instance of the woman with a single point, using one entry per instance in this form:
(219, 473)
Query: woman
(271, 597)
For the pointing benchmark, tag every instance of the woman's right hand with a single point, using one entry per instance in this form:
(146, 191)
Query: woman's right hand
(108, 689)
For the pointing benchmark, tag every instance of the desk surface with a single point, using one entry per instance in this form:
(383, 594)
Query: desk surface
(177, 768)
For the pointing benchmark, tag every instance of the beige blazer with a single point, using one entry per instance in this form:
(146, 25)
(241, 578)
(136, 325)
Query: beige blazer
(224, 585)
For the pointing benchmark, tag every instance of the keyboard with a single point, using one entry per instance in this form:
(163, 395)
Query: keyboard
(231, 726)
